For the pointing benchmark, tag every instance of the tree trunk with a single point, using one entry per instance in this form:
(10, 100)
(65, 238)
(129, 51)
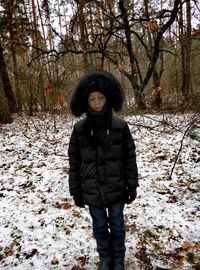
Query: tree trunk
(157, 42)
(156, 76)
(5, 116)
(7, 89)
(83, 32)
(186, 84)
(13, 37)
(16, 87)
(133, 77)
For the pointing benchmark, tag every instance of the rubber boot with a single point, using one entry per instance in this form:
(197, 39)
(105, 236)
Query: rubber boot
(105, 254)
(103, 266)
(118, 245)
(119, 266)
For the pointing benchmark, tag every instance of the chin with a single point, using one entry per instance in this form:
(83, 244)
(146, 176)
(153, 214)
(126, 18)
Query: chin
(98, 110)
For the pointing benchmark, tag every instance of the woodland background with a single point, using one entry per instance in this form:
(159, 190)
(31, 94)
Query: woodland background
(152, 46)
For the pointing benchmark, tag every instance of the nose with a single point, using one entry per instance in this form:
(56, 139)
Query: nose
(96, 102)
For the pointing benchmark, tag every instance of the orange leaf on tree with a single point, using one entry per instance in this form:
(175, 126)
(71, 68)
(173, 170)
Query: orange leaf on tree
(158, 90)
(60, 100)
(152, 25)
(48, 90)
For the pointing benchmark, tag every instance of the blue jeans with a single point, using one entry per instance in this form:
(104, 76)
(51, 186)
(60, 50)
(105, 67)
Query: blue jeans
(109, 230)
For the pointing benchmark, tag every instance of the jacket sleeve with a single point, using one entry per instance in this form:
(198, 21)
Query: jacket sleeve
(75, 164)
(129, 159)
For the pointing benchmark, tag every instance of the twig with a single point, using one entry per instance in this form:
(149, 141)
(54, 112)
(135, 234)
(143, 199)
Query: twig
(143, 126)
(179, 151)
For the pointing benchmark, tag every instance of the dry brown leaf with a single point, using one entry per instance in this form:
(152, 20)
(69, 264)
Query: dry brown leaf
(142, 244)
(9, 252)
(48, 90)
(82, 260)
(158, 90)
(161, 157)
(55, 261)
(153, 25)
(179, 263)
(76, 267)
(13, 243)
(60, 100)
(186, 245)
(197, 246)
(62, 205)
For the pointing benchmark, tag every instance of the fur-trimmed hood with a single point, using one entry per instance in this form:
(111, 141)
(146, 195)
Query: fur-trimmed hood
(101, 81)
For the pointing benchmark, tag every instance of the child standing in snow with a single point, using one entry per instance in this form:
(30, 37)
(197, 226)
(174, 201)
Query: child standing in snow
(103, 170)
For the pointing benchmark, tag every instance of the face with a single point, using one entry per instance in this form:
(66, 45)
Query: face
(96, 101)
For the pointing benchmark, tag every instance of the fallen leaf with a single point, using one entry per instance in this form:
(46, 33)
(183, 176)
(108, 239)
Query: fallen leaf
(82, 260)
(9, 252)
(186, 245)
(76, 267)
(197, 246)
(62, 205)
(55, 261)
(179, 263)
(172, 199)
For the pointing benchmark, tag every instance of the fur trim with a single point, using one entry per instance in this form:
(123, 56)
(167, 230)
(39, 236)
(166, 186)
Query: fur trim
(101, 81)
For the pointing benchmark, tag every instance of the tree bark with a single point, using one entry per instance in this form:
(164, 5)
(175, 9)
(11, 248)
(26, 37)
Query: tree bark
(186, 54)
(156, 49)
(7, 89)
(83, 32)
(5, 116)
(133, 76)
(10, 16)
(156, 76)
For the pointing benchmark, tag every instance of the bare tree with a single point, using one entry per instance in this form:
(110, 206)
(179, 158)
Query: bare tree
(152, 27)
(153, 56)
(5, 116)
(13, 39)
(186, 50)
(129, 38)
(6, 89)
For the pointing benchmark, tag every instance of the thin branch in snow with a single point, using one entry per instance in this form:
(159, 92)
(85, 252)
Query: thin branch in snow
(180, 148)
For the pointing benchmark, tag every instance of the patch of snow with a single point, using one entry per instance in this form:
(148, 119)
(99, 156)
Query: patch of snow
(40, 228)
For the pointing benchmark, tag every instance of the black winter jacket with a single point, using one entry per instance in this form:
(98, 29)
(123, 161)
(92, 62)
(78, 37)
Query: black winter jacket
(102, 173)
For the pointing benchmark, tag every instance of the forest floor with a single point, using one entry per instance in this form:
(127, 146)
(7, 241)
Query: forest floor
(41, 229)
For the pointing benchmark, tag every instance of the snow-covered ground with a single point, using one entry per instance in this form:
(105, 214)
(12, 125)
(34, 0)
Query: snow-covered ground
(41, 229)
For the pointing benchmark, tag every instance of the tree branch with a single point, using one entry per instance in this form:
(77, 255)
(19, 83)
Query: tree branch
(156, 50)
(180, 148)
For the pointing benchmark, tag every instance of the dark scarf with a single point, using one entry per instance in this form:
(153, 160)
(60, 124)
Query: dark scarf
(98, 124)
